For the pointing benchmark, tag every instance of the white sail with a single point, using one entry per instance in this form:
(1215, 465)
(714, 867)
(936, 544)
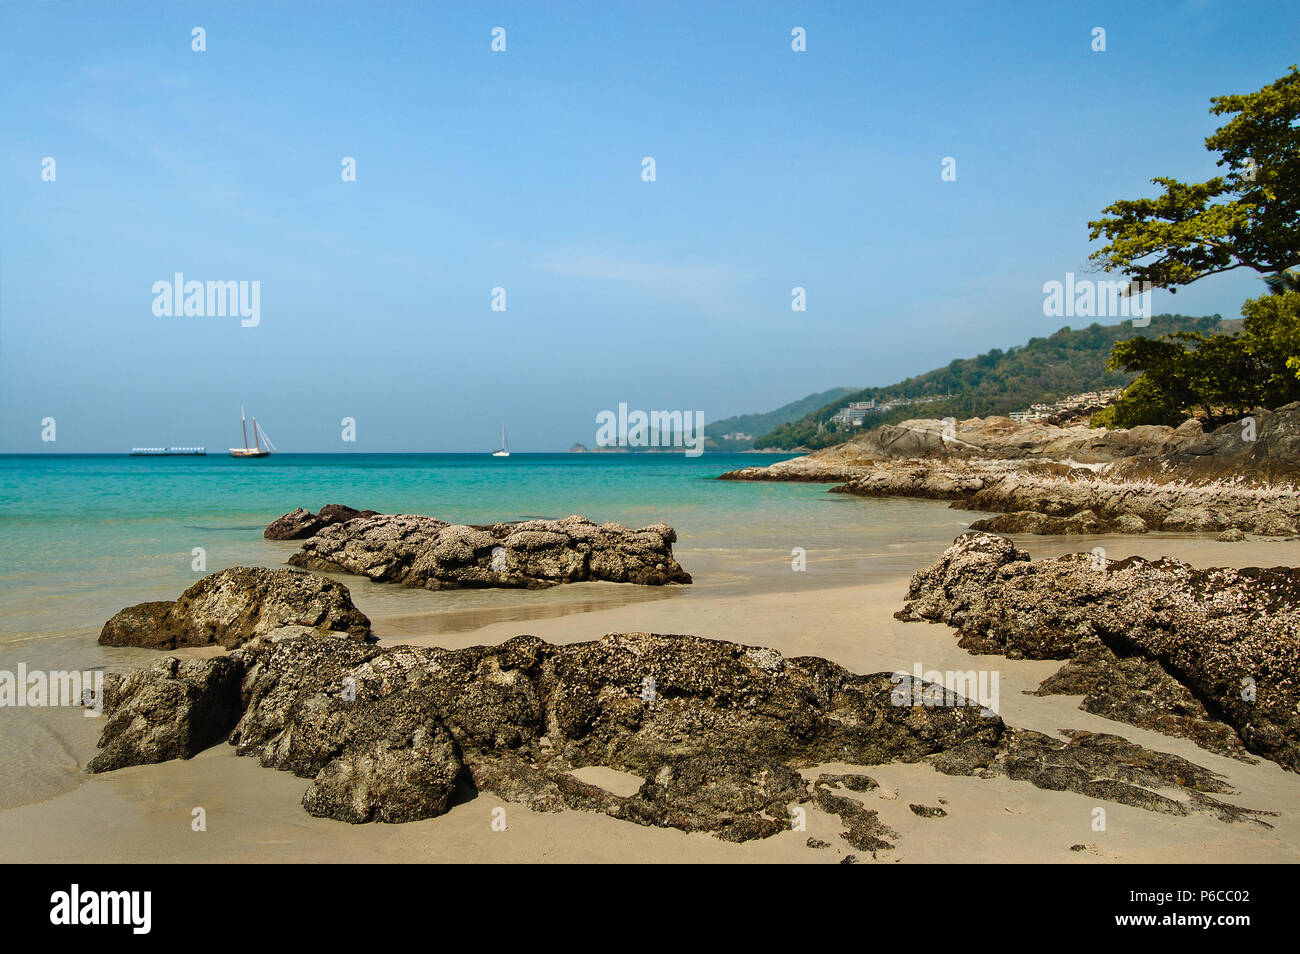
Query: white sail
(259, 435)
(258, 429)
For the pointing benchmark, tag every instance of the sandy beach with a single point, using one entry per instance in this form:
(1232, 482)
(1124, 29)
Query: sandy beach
(145, 813)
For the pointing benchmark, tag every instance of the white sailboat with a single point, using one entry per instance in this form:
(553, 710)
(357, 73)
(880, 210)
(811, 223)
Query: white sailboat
(505, 448)
(259, 436)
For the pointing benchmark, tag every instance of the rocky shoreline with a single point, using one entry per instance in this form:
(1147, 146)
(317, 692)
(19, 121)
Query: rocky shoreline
(718, 731)
(1209, 655)
(1050, 479)
(726, 738)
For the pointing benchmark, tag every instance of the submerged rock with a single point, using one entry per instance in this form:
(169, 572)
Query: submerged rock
(232, 606)
(1207, 654)
(717, 730)
(429, 553)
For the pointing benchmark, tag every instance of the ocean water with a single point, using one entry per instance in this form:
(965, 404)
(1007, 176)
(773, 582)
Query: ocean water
(83, 536)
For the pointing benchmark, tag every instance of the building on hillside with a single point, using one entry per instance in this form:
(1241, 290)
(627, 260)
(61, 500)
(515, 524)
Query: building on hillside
(1073, 403)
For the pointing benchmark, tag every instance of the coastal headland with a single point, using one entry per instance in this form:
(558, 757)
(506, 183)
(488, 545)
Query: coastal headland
(1050, 479)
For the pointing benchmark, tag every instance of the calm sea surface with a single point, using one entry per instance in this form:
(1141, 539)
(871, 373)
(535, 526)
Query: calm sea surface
(83, 536)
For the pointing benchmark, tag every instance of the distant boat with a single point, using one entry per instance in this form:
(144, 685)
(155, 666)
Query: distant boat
(259, 436)
(505, 449)
(168, 452)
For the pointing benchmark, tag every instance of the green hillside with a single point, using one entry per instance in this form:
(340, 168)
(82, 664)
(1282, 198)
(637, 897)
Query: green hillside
(997, 382)
(753, 424)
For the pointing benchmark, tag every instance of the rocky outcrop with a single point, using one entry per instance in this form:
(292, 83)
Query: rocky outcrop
(1082, 523)
(300, 524)
(171, 710)
(1139, 691)
(976, 439)
(719, 731)
(1076, 480)
(235, 605)
(429, 553)
(1100, 766)
(1263, 448)
(1034, 499)
(1117, 505)
(1207, 654)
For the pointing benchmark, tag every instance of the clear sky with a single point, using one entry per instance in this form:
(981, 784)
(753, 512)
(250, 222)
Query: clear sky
(523, 169)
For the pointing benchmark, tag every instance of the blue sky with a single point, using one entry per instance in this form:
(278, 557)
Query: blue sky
(522, 170)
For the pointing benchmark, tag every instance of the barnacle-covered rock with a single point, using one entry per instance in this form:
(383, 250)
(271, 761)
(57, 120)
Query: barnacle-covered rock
(430, 553)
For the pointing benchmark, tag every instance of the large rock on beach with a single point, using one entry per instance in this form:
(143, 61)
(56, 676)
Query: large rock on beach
(718, 731)
(1160, 644)
(430, 553)
(171, 710)
(232, 606)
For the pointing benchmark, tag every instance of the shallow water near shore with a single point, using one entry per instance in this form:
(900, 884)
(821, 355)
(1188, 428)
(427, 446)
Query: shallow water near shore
(84, 536)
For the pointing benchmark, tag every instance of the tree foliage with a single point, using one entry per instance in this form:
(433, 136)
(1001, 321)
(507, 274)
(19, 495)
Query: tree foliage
(1220, 377)
(1249, 217)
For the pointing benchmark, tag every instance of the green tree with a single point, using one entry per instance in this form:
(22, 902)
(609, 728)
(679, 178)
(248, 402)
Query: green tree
(1272, 332)
(1163, 393)
(1249, 217)
(1143, 402)
(1219, 376)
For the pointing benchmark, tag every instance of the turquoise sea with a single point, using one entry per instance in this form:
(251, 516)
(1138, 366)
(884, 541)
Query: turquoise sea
(83, 536)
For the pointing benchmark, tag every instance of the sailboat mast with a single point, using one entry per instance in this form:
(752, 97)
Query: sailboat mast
(256, 440)
(243, 424)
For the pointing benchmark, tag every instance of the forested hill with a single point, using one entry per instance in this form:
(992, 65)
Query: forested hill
(753, 424)
(997, 382)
